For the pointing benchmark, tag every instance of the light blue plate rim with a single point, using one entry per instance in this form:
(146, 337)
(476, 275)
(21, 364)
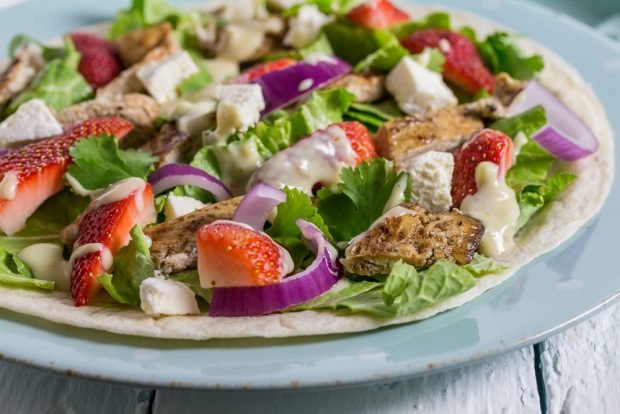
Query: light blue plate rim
(546, 297)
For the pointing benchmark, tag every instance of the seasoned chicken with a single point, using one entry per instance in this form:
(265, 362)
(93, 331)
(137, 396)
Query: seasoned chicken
(487, 109)
(172, 145)
(440, 130)
(416, 236)
(135, 45)
(20, 72)
(507, 88)
(174, 242)
(141, 110)
(366, 88)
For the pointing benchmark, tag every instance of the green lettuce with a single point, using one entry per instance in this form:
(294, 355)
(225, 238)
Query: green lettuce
(534, 197)
(527, 122)
(132, 265)
(198, 80)
(432, 21)
(319, 45)
(373, 115)
(142, 13)
(482, 265)
(59, 83)
(383, 59)
(14, 272)
(98, 162)
(192, 280)
(354, 43)
(330, 7)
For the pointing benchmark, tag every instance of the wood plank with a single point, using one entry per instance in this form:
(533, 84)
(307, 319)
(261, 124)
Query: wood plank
(580, 366)
(505, 384)
(28, 390)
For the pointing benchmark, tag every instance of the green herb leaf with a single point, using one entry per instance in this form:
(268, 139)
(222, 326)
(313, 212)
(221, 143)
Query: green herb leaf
(532, 198)
(482, 265)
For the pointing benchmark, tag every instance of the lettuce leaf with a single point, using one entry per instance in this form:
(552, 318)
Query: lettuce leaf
(354, 204)
(198, 80)
(132, 265)
(329, 7)
(98, 162)
(141, 13)
(482, 265)
(319, 45)
(534, 197)
(373, 116)
(354, 43)
(527, 122)
(14, 272)
(384, 58)
(59, 83)
(192, 280)
(323, 109)
(432, 21)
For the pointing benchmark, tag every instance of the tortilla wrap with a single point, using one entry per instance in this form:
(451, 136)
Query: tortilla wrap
(548, 229)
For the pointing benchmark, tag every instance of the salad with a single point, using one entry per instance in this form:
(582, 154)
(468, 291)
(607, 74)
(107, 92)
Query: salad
(275, 157)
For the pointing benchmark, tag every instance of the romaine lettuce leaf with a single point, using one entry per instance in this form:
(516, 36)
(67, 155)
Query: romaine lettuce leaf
(535, 196)
(432, 21)
(354, 43)
(198, 80)
(14, 272)
(482, 265)
(527, 122)
(384, 58)
(141, 13)
(323, 109)
(59, 83)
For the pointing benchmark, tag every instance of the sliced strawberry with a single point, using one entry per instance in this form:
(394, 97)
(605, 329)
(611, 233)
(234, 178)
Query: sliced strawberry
(361, 141)
(486, 145)
(463, 67)
(107, 224)
(31, 174)
(259, 70)
(231, 254)
(100, 62)
(377, 14)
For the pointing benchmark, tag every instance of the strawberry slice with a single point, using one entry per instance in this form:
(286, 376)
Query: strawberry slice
(259, 70)
(463, 67)
(232, 254)
(100, 62)
(31, 174)
(486, 145)
(377, 14)
(104, 230)
(361, 141)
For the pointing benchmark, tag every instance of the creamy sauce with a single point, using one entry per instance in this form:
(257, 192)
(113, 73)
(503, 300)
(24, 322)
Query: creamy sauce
(398, 194)
(495, 205)
(120, 191)
(237, 162)
(78, 188)
(46, 262)
(106, 255)
(317, 159)
(317, 57)
(518, 143)
(305, 84)
(8, 186)
(393, 212)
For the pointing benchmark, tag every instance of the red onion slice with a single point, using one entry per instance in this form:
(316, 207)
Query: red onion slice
(565, 136)
(257, 204)
(285, 86)
(317, 279)
(174, 175)
(3, 152)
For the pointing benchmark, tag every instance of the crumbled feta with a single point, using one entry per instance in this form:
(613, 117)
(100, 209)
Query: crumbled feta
(160, 296)
(306, 26)
(32, 120)
(239, 108)
(177, 206)
(161, 78)
(431, 180)
(418, 89)
(239, 42)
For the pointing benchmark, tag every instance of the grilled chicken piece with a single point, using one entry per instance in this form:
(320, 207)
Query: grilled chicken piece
(20, 72)
(440, 130)
(172, 145)
(135, 45)
(416, 236)
(366, 88)
(487, 109)
(174, 242)
(141, 110)
(507, 88)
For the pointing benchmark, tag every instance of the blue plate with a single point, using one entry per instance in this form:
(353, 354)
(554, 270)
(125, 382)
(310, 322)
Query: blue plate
(546, 297)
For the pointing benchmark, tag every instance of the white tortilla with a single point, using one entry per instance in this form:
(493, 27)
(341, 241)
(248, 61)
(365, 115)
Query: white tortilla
(576, 206)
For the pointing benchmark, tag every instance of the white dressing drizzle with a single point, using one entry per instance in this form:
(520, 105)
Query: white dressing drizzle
(77, 187)
(393, 212)
(120, 191)
(46, 262)
(105, 254)
(495, 205)
(8, 186)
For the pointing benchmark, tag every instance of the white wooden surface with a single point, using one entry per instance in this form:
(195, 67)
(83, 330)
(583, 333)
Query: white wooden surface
(578, 374)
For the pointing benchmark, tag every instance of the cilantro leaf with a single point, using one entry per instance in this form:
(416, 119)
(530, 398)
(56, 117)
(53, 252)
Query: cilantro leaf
(98, 162)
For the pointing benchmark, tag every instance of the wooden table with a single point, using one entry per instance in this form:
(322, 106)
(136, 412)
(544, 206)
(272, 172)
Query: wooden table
(573, 372)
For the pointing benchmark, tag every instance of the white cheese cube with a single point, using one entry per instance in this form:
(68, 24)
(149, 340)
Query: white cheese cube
(161, 78)
(306, 26)
(33, 120)
(177, 206)
(160, 296)
(418, 89)
(239, 42)
(431, 180)
(238, 109)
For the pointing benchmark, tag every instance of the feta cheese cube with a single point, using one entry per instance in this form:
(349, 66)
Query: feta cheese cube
(418, 89)
(306, 26)
(431, 180)
(160, 296)
(177, 206)
(239, 108)
(161, 78)
(33, 120)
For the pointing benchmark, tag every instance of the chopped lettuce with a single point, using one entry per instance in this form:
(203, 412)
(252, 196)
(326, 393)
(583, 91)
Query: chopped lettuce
(353, 205)
(384, 58)
(323, 109)
(59, 83)
(132, 265)
(373, 116)
(98, 162)
(432, 21)
(527, 122)
(14, 272)
(142, 13)
(482, 265)
(49, 53)
(354, 43)
(330, 7)
(534, 197)
(284, 229)
(198, 80)
(319, 45)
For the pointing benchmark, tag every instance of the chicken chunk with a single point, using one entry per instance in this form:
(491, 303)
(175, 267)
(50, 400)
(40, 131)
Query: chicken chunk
(20, 72)
(174, 242)
(440, 130)
(366, 88)
(415, 235)
(135, 45)
(507, 88)
(172, 145)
